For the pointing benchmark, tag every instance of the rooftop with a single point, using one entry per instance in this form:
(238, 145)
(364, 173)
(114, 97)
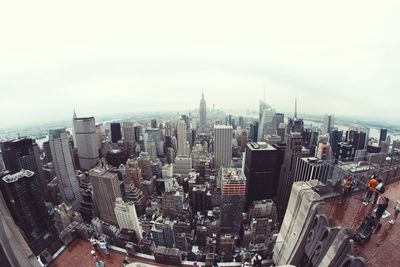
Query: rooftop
(382, 248)
(11, 178)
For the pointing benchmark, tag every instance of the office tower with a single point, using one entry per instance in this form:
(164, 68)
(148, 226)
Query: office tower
(14, 250)
(145, 164)
(198, 198)
(24, 154)
(155, 134)
(243, 140)
(329, 123)
(128, 130)
(47, 152)
(267, 122)
(61, 151)
(292, 152)
(383, 135)
(233, 197)
(311, 169)
(168, 128)
(153, 123)
(116, 157)
(279, 118)
(138, 130)
(335, 138)
(345, 151)
(203, 115)
(116, 134)
(356, 138)
(241, 122)
(127, 217)
(99, 136)
(151, 149)
(86, 142)
(172, 203)
(106, 188)
(182, 165)
(260, 169)
(133, 173)
(86, 208)
(183, 146)
(222, 145)
(253, 132)
(323, 150)
(281, 131)
(27, 207)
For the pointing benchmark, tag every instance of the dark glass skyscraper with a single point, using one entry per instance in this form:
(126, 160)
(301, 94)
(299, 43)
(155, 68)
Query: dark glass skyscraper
(253, 132)
(116, 134)
(260, 169)
(23, 190)
(383, 135)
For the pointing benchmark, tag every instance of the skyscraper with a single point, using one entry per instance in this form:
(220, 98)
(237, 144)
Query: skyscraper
(329, 123)
(222, 145)
(115, 132)
(106, 188)
(253, 132)
(183, 146)
(127, 217)
(203, 115)
(61, 151)
(23, 154)
(261, 170)
(383, 135)
(233, 196)
(133, 173)
(286, 179)
(27, 207)
(86, 141)
(268, 122)
(128, 130)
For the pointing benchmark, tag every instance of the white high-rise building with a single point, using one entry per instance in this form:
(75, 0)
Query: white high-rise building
(85, 137)
(127, 217)
(329, 123)
(183, 145)
(64, 167)
(203, 115)
(222, 145)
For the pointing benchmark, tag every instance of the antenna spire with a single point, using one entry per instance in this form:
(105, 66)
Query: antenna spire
(295, 107)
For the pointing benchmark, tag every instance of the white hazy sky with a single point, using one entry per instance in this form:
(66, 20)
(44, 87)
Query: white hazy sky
(339, 57)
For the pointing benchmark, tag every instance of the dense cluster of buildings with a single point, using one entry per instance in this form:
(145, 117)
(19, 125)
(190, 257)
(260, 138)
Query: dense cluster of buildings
(205, 188)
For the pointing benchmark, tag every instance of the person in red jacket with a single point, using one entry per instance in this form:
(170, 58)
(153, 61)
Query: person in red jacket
(371, 188)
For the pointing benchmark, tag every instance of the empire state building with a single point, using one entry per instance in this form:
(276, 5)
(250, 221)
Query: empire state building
(203, 115)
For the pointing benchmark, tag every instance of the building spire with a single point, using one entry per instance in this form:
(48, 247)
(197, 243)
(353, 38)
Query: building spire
(202, 94)
(295, 107)
(74, 116)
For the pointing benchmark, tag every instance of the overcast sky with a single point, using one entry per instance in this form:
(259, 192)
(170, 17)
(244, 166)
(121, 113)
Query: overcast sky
(340, 57)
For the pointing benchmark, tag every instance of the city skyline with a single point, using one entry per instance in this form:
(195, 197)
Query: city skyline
(139, 58)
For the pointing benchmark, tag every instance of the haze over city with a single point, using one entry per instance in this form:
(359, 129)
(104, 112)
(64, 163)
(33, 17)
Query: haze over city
(137, 56)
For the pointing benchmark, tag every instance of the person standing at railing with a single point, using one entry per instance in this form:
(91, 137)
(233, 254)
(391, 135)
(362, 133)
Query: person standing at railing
(396, 213)
(347, 184)
(379, 189)
(383, 203)
(371, 188)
